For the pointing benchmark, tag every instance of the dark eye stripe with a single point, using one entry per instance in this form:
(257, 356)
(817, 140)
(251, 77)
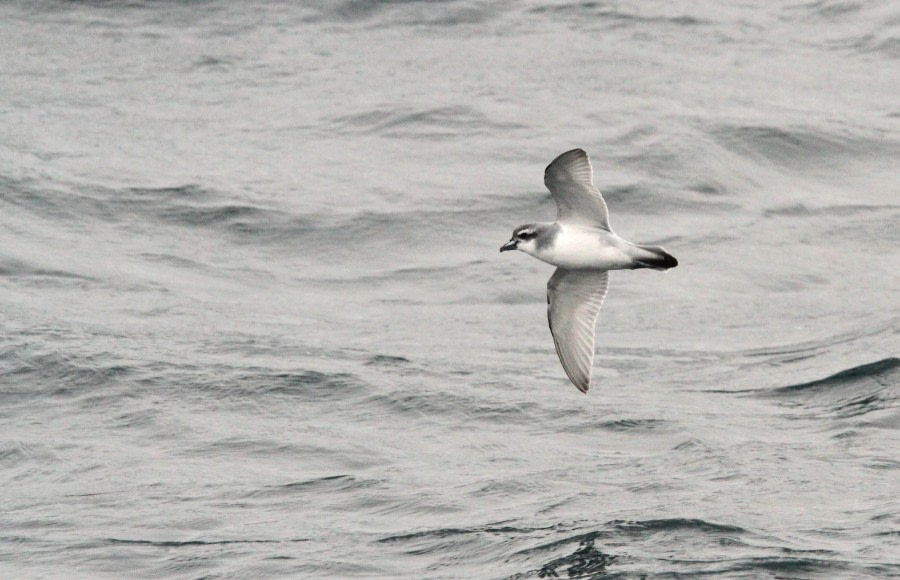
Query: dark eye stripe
(527, 235)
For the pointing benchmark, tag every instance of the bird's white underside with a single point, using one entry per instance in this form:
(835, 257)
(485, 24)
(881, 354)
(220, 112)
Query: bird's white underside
(578, 247)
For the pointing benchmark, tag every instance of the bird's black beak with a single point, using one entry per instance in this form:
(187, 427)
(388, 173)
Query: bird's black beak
(510, 245)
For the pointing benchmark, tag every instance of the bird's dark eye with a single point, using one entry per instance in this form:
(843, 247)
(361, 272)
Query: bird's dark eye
(527, 235)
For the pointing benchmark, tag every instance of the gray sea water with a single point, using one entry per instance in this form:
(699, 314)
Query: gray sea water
(254, 322)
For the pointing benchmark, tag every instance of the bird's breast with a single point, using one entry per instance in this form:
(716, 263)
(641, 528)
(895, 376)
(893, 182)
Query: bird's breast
(578, 247)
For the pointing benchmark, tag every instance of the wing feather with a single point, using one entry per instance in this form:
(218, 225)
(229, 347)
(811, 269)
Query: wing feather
(574, 299)
(570, 180)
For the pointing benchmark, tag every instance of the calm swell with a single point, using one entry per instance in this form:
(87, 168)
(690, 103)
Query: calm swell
(253, 320)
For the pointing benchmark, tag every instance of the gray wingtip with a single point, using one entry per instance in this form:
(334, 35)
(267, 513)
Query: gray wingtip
(563, 158)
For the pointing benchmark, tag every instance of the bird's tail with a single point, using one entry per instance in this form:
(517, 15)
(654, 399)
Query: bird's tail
(655, 257)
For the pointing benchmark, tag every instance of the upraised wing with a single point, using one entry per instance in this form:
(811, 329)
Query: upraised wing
(574, 299)
(570, 180)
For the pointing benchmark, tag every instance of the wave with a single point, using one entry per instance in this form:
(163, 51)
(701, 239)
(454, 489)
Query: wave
(30, 374)
(636, 426)
(417, 404)
(632, 528)
(195, 543)
(585, 562)
(184, 205)
(327, 484)
(14, 267)
(645, 199)
(403, 12)
(609, 15)
(307, 385)
(707, 548)
(496, 528)
(193, 206)
(840, 210)
(866, 28)
(383, 360)
(878, 372)
(583, 559)
(787, 566)
(849, 393)
(644, 527)
(425, 123)
(798, 146)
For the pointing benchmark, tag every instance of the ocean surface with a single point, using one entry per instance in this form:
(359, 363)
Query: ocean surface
(254, 322)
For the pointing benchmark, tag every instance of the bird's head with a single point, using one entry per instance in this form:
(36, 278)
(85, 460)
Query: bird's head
(524, 238)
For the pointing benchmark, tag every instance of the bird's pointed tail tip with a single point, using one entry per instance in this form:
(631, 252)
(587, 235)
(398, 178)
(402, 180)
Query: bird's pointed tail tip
(656, 258)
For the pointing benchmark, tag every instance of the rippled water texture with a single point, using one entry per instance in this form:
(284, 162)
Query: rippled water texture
(254, 323)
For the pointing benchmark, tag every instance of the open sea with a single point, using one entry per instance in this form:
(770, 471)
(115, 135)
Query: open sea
(254, 322)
